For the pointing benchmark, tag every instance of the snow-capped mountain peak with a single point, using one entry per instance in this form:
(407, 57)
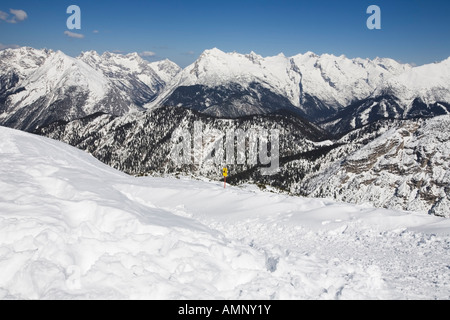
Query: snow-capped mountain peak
(63, 72)
(165, 69)
(155, 75)
(429, 82)
(339, 80)
(23, 61)
(215, 68)
(40, 86)
(133, 55)
(316, 85)
(91, 56)
(213, 51)
(60, 88)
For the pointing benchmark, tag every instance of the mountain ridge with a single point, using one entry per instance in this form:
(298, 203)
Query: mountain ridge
(42, 86)
(320, 87)
(306, 80)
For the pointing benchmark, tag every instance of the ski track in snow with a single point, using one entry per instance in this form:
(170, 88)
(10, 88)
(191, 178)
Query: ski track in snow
(73, 228)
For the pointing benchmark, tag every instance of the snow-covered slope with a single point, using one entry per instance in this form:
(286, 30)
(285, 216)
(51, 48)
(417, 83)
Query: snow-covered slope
(71, 228)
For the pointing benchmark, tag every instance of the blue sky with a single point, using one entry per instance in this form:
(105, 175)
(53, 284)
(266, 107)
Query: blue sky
(413, 31)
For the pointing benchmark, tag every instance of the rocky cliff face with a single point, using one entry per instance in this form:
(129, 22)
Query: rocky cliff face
(407, 167)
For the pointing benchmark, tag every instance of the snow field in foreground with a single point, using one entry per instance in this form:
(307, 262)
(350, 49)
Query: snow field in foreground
(71, 227)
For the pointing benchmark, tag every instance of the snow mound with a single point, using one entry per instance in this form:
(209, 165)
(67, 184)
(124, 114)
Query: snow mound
(73, 228)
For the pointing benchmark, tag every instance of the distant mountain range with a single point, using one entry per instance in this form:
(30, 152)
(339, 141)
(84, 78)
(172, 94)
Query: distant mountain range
(356, 130)
(39, 87)
(337, 92)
